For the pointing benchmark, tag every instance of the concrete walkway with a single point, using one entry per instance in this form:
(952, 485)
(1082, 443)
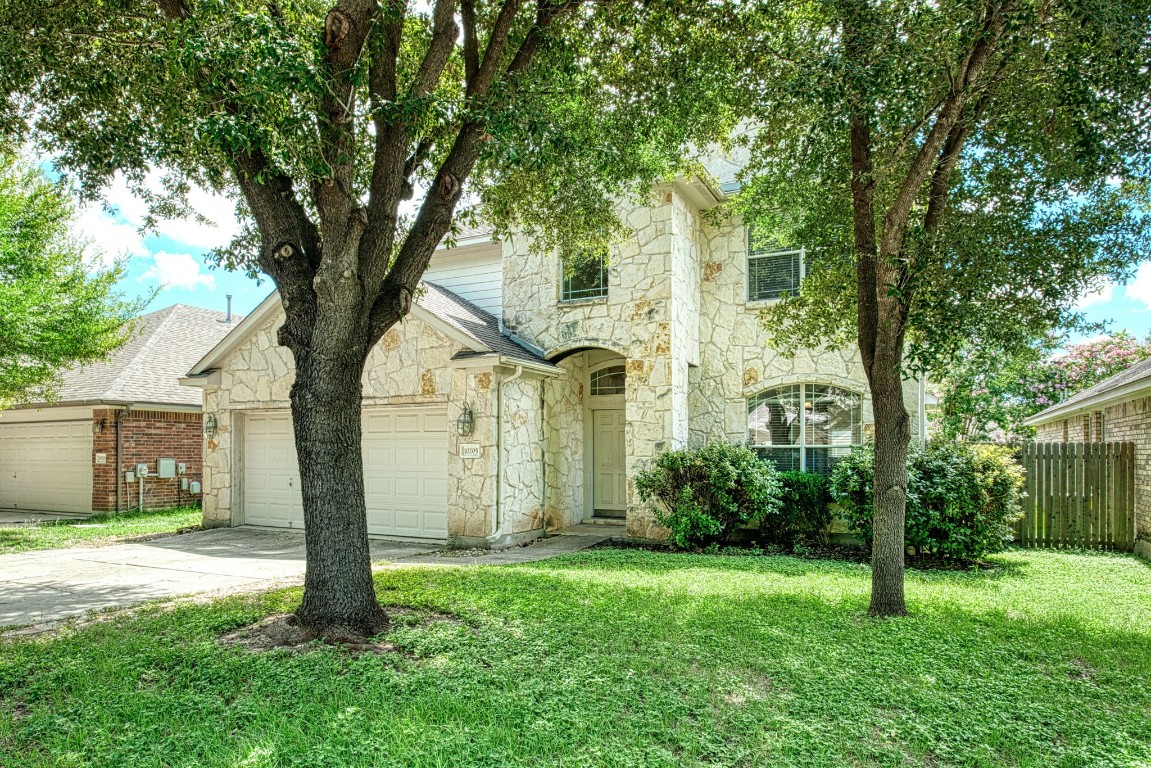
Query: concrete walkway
(36, 587)
(15, 518)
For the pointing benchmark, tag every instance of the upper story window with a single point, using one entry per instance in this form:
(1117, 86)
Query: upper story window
(772, 272)
(584, 276)
(805, 426)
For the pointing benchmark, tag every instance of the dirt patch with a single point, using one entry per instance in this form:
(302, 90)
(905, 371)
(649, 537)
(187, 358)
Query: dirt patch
(281, 632)
(1081, 670)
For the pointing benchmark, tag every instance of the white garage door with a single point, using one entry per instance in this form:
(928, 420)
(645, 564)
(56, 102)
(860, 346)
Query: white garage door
(46, 466)
(405, 472)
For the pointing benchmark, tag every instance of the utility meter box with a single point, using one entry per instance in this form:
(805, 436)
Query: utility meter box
(141, 470)
(181, 468)
(195, 487)
(129, 476)
(165, 468)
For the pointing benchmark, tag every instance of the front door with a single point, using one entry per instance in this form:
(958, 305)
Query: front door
(609, 477)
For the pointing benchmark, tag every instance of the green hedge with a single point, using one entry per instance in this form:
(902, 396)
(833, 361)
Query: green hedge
(803, 515)
(702, 495)
(961, 499)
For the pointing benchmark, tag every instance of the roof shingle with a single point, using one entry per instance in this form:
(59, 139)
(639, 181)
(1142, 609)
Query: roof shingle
(1136, 373)
(147, 369)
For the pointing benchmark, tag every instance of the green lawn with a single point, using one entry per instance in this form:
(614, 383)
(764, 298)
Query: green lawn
(97, 530)
(622, 658)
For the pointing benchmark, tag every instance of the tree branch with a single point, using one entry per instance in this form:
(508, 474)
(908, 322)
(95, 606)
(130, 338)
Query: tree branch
(970, 68)
(444, 32)
(435, 215)
(471, 43)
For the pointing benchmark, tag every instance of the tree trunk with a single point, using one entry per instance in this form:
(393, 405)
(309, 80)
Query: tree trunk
(892, 437)
(339, 597)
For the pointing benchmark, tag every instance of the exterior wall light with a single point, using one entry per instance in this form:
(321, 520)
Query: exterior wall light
(210, 426)
(97, 426)
(465, 422)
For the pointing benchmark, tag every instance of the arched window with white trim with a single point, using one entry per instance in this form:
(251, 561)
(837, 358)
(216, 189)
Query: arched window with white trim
(805, 426)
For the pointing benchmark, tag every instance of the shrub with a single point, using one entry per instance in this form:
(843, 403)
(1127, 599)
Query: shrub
(703, 494)
(803, 515)
(961, 499)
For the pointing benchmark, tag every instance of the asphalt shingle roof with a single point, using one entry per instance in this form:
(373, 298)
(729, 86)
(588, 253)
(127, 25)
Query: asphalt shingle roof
(469, 319)
(1132, 375)
(147, 369)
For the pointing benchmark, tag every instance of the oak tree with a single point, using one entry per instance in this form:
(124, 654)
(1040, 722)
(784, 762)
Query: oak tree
(355, 133)
(957, 169)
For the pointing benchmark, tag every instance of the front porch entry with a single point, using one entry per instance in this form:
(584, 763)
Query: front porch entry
(607, 446)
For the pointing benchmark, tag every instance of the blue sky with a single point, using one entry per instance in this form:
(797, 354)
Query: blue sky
(172, 260)
(1123, 307)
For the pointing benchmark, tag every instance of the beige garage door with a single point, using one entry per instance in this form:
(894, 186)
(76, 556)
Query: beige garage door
(405, 472)
(46, 466)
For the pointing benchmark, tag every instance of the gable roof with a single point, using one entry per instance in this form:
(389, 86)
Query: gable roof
(478, 332)
(1125, 384)
(148, 367)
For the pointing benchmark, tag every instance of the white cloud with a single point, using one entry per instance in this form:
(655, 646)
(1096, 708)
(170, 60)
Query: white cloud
(1139, 289)
(178, 270)
(1102, 295)
(113, 227)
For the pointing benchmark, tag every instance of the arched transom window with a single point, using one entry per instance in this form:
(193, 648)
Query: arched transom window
(805, 426)
(609, 381)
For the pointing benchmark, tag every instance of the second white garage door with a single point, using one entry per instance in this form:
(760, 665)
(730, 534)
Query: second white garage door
(405, 472)
(46, 466)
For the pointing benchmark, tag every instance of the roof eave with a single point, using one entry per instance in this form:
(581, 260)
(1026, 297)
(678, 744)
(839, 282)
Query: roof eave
(1093, 403)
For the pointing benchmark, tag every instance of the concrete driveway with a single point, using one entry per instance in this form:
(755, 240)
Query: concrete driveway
(55, 584)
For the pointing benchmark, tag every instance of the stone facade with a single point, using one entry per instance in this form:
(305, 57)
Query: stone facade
(412, 365)
(145, 436)
(1128, 421)
(695, 348)
(675, 316)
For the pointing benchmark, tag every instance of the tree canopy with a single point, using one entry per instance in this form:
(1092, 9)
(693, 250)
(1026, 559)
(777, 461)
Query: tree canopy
(958, 170)
(356, 135)
(988, 393)
(56, 311)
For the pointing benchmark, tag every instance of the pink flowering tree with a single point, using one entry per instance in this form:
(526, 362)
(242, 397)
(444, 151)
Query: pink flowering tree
(989, 393)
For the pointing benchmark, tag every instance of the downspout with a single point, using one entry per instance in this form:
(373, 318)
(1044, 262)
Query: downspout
(543, 459)
(120, 481)
(500, 449)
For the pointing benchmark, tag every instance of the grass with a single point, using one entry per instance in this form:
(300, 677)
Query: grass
(97, 530)
(622, 658)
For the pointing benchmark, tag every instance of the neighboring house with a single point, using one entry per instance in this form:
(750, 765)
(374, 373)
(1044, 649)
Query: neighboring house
(71, 455)
(1116, 410)
(571, 381)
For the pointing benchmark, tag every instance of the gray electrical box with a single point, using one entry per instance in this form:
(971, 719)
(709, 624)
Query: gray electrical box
(141, 470)
(165, 468)
(130, 476)
(181, 468)
(195, 487)
(183, 483)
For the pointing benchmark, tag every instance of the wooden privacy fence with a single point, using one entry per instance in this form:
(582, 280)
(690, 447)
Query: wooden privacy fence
(1078, 495)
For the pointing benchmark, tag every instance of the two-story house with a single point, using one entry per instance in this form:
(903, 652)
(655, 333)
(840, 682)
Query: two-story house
(520, 397)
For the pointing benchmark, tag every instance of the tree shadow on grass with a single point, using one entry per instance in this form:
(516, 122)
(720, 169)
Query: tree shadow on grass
(672, 663)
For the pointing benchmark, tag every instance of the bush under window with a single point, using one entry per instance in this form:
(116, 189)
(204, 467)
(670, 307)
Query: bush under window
(961, 499)
(702, 495)
(803, 514)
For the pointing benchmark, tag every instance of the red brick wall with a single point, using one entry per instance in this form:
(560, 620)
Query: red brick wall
(145, 437)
